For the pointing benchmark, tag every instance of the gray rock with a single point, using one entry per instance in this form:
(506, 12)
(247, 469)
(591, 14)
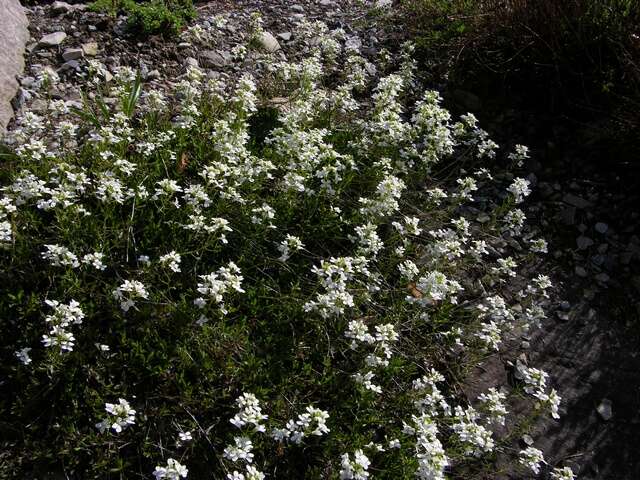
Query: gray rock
(190, 62)
(64, 7)
(576, 201)
(214, 59)
(72, 54)
(90, 49)
(70, 65)
(605, 409)
(297, 8)
(52, 40)
(268, 42)
(383, 3)
(581, 272)
(20, 99)
(353, 43)
(467, 100)
(527, 441)
(14, 36)
(60, 7)
(601, 227)
(286, 36)
(584, 242)
(153, 75)
(27, 82)
(325, 3)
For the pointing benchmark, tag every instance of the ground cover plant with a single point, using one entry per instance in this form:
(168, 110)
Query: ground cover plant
(166, 17)
(278, 277)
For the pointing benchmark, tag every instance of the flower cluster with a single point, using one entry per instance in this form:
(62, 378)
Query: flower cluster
(121, 415)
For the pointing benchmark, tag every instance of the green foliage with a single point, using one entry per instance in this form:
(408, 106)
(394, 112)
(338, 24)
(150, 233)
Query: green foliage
(160, 16)
(150, 17)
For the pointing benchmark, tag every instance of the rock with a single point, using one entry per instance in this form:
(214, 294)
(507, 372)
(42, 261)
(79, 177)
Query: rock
(90, 49)
(27, 82)
(325, 3)
(297, 8)
(63, 7)
(20, 99)
(60, 7)
(14, 36)
(268, 42)
(383, 3)
(191, 62)
(153, 75)
(214, 59)
(527, 441)
(581, 272)
(469, 101)
(562, 316)
(52, 40)
(286, 36)
(584, 242)
(39, 105)
(605, 409)
(70, 65)
(72, 54)
(602, 277)
(601, 227)
(576, 201)
(353, 43)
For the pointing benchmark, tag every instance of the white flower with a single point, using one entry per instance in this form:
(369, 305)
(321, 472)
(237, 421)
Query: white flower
(128, 292)
(95, 260)
(408, 270)
(172, 260)
(123, 415)
(564, 473)
(492, 402)
(253, 473)
(355, 469)
(520, 189)
(172, 471)
(185, 436)
(288, 245)
(532, 458)
(250, 413)
(539, 245)
(240, 451)
(476, 437)
(60, 256)
(366, 381)
(23, 355)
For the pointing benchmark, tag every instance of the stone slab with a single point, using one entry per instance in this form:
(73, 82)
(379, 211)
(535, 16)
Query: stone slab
(14, 35)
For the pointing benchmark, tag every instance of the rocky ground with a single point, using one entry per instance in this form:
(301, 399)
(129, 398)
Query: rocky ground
(586, 203)
(65, 36)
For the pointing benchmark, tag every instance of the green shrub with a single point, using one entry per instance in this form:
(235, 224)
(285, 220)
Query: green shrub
(160, 16)
(166, 17)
